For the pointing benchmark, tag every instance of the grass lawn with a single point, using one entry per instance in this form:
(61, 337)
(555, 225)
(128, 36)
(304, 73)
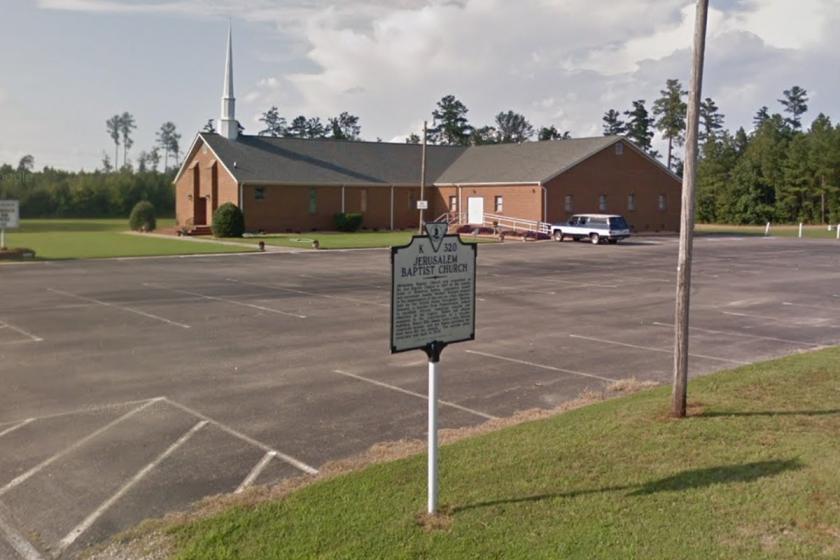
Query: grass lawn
(84, 239)
(775, 230)
(752, 474)
(341, 240)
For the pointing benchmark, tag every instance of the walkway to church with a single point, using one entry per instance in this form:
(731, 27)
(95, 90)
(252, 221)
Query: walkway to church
(133, 388)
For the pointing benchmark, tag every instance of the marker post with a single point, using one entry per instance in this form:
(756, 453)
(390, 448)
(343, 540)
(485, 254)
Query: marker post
(432, 306)
(433, 351)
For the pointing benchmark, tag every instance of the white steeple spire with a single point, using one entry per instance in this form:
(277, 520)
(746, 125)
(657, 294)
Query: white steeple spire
(228, 127)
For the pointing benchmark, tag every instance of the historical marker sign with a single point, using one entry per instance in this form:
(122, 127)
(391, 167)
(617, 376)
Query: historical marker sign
(432, 291)
(9, 214)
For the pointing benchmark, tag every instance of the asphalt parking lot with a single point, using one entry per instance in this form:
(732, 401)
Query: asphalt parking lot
(134, 387)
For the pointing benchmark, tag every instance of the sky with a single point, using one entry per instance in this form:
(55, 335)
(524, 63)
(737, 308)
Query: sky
(68, 65)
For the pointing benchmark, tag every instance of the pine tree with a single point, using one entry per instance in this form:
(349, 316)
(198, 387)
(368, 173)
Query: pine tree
(344, 127)
(513, 128)
(127, 126)
(613, 125)
(760, 117)
(640, 125)
(824, 161)
(112, 125)
(671, 110)
(795, 102)
(450, 124)
(551, 133)
(711, 120)
(275, 125)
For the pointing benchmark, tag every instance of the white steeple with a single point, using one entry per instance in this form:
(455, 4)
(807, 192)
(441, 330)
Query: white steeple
(228, 127)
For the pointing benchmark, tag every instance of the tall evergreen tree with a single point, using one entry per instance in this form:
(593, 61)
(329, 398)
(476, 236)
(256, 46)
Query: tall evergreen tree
(671, 112)
(168, 140)
(761, 117)
(344, 127)
(127, 126)
(795, 102)
(824, 161)
(513, 128)
(112, 125)
(275, 125)
(711, 120)
(551, 133)
(640, 125)
(450, 124)
(613, 125)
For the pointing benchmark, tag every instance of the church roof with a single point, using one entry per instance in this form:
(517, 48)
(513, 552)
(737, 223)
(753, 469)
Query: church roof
(293, 161)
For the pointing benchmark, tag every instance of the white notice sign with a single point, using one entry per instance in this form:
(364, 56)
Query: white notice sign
(432, 291)
(422, 204)
(9, 214)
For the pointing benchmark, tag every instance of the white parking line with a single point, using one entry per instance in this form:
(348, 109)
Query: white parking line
(122, 307)
(47, 462)
(85, 410)
(18, 542)
(812, 322)
(652, 349)
(540, 366)
(820, 307)
(16, 426)
(742, 334)
(255, 472)
(413, 394)
(31, 336)
(307, 293)
(300, 465)
(74, 534)
(226, 300)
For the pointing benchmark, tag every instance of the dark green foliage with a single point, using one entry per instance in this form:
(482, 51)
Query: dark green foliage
(228, 221)
(142, 217)
(670, 110)
(551, 133)
(613, 125)
(513, 128)
(795, 102)
(53, 193)
(349, 222)
(450, 123)
(639, 125)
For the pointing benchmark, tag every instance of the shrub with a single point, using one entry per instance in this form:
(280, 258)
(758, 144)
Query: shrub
(228, 221)
(142, 217)
(465, 229)
(348, 222)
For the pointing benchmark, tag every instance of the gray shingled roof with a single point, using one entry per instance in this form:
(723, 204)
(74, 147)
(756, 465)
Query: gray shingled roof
(262, 159)
(291, 161)
(530, 162)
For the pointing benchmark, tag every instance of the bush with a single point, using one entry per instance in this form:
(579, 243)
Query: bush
(348, 222)
(228, 221)
(142, 217)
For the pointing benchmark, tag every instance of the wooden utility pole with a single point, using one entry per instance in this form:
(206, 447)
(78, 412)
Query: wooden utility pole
(679, 395)
(423, 174)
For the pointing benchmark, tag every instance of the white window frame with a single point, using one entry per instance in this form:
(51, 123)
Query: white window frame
(602, 202)
(499, 204)
(663, 202)
(453, 203)
(569, 203)
(631, 202)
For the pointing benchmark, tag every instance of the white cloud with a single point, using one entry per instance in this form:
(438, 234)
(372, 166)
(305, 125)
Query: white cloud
(561, 62)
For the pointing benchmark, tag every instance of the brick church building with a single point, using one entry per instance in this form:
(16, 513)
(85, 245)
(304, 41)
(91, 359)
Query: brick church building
(291, 184)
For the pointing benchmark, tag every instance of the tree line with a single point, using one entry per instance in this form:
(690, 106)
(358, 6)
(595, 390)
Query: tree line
(120, 128)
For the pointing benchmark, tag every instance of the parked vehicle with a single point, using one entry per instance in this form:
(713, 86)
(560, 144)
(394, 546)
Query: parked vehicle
(594, 227)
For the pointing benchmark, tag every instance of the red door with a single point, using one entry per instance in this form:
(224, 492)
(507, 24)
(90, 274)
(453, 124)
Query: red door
(200, 211)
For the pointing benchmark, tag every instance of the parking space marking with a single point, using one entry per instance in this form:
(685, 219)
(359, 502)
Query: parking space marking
(255, 472)
(84, 410)
(820, 307)
(306, 293)
(122, 307)
(540, 366)
(226, 300)
(16, 426)
(17, 541)
(47, 462)
(742, 334)
(413, 394)
(652, 349)
(32, 337)
(77, 531)
(300, 465)
(813, 322)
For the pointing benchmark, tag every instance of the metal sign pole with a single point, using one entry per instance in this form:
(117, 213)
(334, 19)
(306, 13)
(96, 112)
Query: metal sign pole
(431, 506)
(433, 352)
